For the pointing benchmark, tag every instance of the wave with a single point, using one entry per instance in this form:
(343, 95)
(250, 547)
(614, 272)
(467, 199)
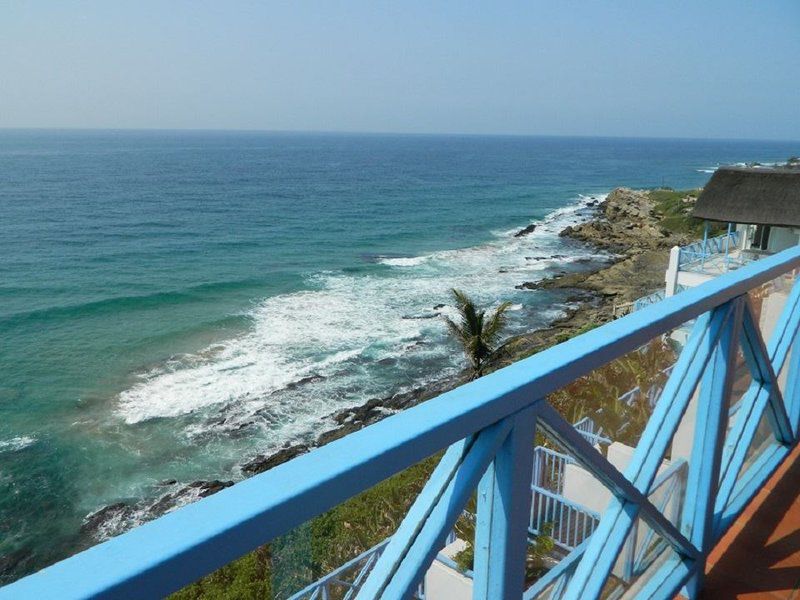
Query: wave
(16, 444)
(349, 337)
(410, 261)
(134, 301)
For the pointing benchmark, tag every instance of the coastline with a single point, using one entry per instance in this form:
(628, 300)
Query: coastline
(624, 225)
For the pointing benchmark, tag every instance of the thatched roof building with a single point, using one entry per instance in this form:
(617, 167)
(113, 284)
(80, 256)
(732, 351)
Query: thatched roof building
(751, 196)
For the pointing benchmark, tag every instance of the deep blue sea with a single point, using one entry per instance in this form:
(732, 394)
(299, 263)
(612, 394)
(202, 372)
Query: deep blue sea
(173, 303)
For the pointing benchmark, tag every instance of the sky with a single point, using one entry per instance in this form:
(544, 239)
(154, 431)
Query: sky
(650, 68)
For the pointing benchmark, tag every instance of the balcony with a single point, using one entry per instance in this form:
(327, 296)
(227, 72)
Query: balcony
(721, 420)
(714, 255)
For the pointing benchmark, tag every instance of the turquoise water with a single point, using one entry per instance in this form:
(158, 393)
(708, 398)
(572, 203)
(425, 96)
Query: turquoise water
(173, 303)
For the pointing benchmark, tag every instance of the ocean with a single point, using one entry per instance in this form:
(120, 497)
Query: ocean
(174, 303)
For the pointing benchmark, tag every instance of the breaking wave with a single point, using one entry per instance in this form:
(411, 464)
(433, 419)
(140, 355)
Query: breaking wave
(352, 336)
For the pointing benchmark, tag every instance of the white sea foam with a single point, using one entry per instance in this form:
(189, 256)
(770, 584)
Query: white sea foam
(411, 261)
(16, 443)
(337, 336)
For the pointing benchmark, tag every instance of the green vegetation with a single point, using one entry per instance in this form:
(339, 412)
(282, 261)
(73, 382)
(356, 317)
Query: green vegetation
(674, 209)
(291, 562)
(535, 562)
(477, 333)
(597, 394)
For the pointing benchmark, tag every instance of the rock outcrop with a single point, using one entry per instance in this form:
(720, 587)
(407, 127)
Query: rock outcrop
(627, 225)
(526, 230)
(118, 517)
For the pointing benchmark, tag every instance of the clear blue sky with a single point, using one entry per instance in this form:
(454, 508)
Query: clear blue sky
(705, 68)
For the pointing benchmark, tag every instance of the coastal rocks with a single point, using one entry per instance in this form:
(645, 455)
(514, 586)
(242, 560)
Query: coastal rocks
(628, 225)
(525, 231)
(354, 418)
(564, 280)
(264, 463)
(105, 522)
(16, 561)
(118, 517)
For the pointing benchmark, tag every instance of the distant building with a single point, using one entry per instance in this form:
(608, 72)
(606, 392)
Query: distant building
(763, 203)
(761, 209)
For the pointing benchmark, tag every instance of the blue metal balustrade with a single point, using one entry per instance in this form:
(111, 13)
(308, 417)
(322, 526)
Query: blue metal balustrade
(566, 522)
(695, 256)
(487, 428)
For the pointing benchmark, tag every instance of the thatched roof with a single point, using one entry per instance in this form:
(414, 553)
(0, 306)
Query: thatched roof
(752, 196)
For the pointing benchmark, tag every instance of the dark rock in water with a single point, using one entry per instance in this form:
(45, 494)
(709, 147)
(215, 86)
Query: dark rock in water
(243, 425)
(14, 562)
(415, 317)
(196, 489)
(439, 306)
(167, 482)
(206, 488)
(95, 521)
(116, 518)
(353, 419)
(304, 381)
(264, 463)
(528, 285)
(568, 230)
(525, 230)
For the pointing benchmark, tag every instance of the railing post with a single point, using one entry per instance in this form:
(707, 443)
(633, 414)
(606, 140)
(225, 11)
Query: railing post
(791, 394)
(504, 504)
(672, 271)
(709, 436)
(727, 247)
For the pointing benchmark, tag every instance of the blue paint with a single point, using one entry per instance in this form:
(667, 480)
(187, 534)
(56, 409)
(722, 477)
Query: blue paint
(164, 555)
(710, 424)
(504, 501)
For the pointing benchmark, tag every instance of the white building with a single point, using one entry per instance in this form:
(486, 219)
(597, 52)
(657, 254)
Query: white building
(761, 209)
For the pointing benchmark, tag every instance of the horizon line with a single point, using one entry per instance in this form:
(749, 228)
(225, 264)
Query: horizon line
(391, 133)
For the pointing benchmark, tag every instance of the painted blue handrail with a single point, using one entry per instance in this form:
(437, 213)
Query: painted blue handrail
(638, 552)
(694, 256)
(488, 426)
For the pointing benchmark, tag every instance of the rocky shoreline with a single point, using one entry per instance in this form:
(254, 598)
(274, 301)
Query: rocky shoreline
(625, 225)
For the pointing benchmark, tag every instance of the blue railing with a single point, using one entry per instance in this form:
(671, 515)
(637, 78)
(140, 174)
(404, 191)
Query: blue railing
(488, 427)
(653, 393)
(653, 298)
(695, 256)
(591, 432)
(641, 549)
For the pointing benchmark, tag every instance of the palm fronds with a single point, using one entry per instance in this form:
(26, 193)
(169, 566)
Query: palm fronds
(477, 333)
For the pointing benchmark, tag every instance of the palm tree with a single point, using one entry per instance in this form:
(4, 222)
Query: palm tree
(475, 331)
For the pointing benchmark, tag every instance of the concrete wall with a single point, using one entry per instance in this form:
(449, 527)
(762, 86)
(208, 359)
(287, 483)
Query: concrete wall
(582, 488)
(444, 583)
(781, 238)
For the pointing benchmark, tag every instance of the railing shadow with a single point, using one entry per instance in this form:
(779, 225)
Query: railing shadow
(763, 557)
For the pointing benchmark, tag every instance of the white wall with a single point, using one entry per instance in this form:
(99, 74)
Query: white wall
(444, 583)
(781, 238)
